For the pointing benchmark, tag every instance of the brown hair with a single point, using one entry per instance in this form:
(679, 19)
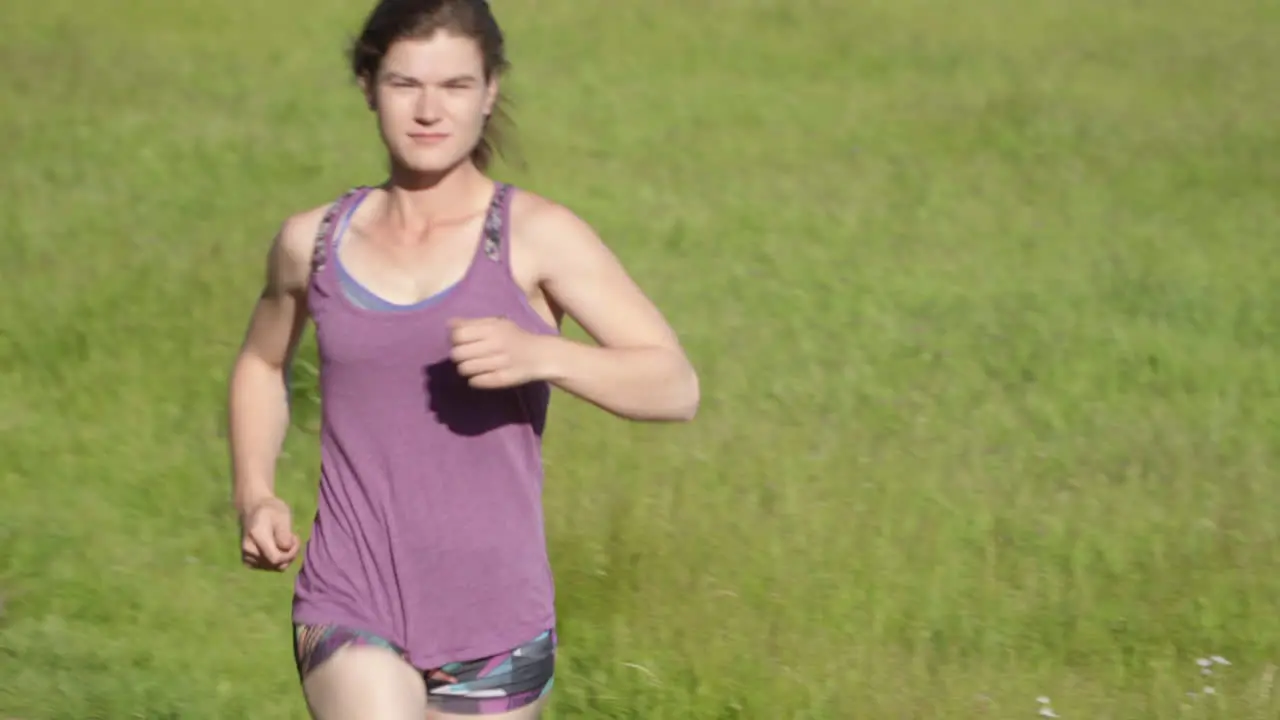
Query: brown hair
(394, 20)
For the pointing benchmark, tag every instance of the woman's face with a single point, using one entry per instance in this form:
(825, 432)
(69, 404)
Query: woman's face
(432, 101)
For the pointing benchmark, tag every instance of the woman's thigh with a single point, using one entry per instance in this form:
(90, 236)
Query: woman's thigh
(352, 675)
(363, 682)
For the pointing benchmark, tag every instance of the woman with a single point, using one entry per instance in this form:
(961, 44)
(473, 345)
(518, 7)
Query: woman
(425, 589)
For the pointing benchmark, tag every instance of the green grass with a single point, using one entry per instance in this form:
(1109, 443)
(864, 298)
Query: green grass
(985, 299)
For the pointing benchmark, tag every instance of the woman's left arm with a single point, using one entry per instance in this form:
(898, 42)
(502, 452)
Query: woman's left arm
(638, 369)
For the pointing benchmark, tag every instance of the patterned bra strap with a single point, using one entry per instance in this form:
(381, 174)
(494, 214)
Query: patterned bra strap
(494, 220)
(319, 253)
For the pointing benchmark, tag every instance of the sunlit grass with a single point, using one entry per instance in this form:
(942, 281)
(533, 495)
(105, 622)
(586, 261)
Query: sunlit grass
(983, 295)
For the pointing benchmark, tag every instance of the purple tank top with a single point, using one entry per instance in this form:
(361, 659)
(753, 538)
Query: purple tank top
(429, 527)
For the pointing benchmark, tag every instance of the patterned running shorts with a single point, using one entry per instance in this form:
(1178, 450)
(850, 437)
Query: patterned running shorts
(501, 683)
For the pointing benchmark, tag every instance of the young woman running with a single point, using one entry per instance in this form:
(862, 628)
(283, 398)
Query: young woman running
(437, 296)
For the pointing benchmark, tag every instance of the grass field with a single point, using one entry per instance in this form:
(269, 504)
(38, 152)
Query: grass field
(985, 298)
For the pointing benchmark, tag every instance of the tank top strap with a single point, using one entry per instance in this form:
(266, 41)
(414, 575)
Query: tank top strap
(329, 223)
(497, 221)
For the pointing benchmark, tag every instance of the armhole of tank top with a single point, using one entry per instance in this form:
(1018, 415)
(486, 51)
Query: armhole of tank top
(321, 250)
(505, 241)
(495, 230)
(503, 211)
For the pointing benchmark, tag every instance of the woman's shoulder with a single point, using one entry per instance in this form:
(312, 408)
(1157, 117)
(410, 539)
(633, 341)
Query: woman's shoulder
(539, 220)
(294, 244)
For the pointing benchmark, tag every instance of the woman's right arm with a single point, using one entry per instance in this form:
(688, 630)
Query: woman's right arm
(257, 398)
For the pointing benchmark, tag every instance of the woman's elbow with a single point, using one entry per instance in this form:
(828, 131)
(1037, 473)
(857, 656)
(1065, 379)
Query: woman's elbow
(689, 397)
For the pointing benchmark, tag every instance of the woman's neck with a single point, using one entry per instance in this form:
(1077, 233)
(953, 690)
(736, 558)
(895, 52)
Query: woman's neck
(417, 202)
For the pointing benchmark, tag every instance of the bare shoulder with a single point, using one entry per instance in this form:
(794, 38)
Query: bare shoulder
(289, 259)
(583, 276)
(549, 230)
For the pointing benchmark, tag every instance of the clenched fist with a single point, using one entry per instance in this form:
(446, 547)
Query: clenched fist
(267, 539)
(496, 353)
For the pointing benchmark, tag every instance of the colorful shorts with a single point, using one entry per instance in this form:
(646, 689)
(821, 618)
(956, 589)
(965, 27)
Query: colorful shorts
(501, 683)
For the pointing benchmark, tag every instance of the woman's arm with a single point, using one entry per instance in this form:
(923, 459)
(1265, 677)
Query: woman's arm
(257, 400)
(638, 369)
